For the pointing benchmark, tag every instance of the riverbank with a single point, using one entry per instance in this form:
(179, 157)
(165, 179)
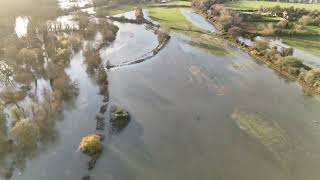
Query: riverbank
(270, 56)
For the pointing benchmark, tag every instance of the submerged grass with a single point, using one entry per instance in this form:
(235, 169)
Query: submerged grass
(250, 5)
(209, 43)
(267, 133)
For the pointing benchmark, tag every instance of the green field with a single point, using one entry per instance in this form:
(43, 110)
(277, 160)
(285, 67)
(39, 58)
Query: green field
(172, 18)
(307, 43)
(248, 5)
(313, 29)
(176, 3)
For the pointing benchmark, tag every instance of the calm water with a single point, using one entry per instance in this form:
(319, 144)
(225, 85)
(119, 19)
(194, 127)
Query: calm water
(181, 102)
(198, 20)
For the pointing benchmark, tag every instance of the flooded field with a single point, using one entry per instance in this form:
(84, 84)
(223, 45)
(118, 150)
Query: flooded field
(194, 115)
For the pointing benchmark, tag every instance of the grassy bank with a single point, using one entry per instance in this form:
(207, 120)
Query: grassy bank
(250, 5)
(173, 19)
(307, 43)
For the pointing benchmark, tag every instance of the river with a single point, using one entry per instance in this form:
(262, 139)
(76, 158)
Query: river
(181, 103)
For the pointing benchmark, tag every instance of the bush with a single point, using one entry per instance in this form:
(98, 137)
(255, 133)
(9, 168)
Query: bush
(102, 76)
(261, 45)
(27, 56)
(287, 52)
(17, 114)
(92, 60)
(62, 55)
(312, 78)
(291, 61)
(24, 76)
(91, 145)
(26, 135)
(235, 32)
(66, 86)
(283, 24)
(267, 30)
(306, 20)
(12, 96)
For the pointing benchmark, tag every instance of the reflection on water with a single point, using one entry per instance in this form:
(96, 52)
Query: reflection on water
(198, 20)
(21, 26)
(131, 42)
(67, 22)
(181, 104)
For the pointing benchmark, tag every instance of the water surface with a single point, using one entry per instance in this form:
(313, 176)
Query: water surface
(181, 102)
(198, 20)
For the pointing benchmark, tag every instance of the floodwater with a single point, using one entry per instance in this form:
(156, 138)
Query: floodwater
(181, 103)
(198, 20)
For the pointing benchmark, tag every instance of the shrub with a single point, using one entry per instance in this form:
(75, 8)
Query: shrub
(26, 134)
(54, 70)
(306, 20)
(268, 30)
(291, 61)
(92, 60)
(12, 96)
(235, 31)
(27, 56)
(91, 145)
(17, 114)
(62, 55)
(66, 86)
(11, 52)
(283, 24)
(102, 76)
(261, 45)
(3, 120)
(312, 78)
(24, 76)
(287, 51)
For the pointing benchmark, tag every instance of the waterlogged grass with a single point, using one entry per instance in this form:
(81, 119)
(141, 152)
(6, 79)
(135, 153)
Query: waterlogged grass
(267, 133)
(307, 43)
(210, 44)
(249, 5)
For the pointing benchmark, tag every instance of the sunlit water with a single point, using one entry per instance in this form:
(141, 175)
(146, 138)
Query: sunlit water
(21, 26)
(63, 23)
(181, 126)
